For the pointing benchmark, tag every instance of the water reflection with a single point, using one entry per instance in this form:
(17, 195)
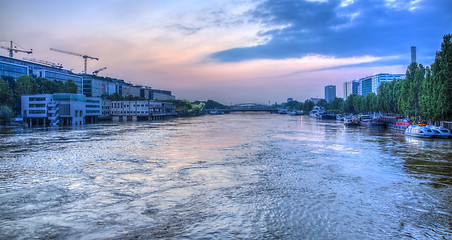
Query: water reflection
(252, 176)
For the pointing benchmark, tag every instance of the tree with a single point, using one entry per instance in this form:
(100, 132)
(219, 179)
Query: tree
(427, 96)
(5, 114)
(70, 87)
(25, 85)
(442, 81)
(322, 103)
(115, 97)
(337, 104)
(359, 104)
(308, 106)
(348, 106)
(370, 103)
(6, 94)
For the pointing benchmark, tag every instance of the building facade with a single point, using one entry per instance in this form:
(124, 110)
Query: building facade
(370, 84)
(16, 68)
(60, 109)
(350, 87)
(145, 110)
(330, 93)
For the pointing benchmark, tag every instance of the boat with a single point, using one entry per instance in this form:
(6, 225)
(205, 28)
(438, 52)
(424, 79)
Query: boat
(326, 116)
(295, 113)
(282, 111)
(350, 122)
(439, 132)
(403, 122)
(340, 117)
(368, 121)
(316, 111)
(419, 131)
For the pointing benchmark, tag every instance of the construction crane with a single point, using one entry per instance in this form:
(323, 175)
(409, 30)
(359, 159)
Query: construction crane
(44, 62)
(13, 49)
(84, 56)
(98, 70)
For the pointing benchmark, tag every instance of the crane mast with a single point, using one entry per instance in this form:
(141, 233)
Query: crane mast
(84, 56)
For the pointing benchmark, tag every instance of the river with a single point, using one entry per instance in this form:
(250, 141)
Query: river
(233, 176)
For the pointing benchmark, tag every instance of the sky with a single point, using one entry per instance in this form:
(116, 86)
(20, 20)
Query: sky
(231, 51)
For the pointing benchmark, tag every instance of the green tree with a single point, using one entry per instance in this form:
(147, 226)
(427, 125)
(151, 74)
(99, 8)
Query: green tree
(370, 103)
(427, 96)
(308, 106)
(442, 81)
(359, 104)
(322, 103)
(337, 105)
(70, 87)
(6, 94)
(25, 85)
(5, 114)
(348, 106)
(115, 97)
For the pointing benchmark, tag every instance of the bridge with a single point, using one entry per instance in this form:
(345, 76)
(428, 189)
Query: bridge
(249, 107)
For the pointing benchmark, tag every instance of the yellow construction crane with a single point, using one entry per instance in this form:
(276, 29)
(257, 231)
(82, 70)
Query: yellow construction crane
(13, 48)
(44, 62)
(84, 56)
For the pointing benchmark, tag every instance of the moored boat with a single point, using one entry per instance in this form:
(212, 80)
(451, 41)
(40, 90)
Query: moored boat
(350, 122)
(368, 121)
(439, 132)
(316, 111)
(419, 131)
(295, 112)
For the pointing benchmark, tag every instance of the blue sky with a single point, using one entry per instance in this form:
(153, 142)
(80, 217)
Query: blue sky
(232, 51)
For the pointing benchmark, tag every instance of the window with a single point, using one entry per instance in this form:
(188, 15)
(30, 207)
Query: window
(37, 111)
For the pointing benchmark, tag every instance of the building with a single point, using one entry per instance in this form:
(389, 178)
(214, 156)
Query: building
(96, 86)
(60, 109)
(413, 54)
(162, 95)
(350, 87)
(141, 110)
(371, 83)
(16, 68)
(330, 93)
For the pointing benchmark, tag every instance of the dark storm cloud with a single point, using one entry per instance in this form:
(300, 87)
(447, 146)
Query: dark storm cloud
(365, 27)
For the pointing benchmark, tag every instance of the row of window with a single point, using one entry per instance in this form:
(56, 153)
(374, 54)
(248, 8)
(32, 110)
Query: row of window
(92, 111)
(37, 111)
(37, 99)
(36, 105)
(92, 106)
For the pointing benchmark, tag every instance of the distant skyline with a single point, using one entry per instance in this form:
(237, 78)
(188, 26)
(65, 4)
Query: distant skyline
(231, 51)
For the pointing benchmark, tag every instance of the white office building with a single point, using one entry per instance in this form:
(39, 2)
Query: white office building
(60, 109)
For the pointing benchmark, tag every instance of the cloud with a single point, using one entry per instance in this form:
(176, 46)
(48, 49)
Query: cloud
(345, 29)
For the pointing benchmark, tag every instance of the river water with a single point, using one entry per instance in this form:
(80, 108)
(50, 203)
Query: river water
(233, 176)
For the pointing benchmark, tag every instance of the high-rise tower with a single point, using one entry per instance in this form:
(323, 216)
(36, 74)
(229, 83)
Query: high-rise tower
(413, 54)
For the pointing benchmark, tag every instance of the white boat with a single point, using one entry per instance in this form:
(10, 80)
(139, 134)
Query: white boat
(419, 131)
(439, 132)
(316, 111)
(282, 111)
(293, 113)
(351, 122)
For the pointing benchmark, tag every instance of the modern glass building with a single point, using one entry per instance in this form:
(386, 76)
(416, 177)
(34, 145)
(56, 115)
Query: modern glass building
(330, 93)
(371, 83)
(16, 68)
